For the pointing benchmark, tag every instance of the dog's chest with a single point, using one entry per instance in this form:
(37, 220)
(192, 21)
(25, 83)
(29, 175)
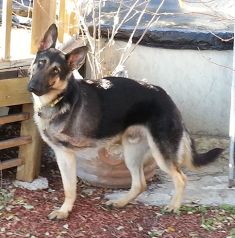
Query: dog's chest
(45, 128)
(44, 118)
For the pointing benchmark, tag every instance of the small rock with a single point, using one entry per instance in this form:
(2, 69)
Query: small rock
(120, 228)
(66, 226)
(88, 191)
(37, 184)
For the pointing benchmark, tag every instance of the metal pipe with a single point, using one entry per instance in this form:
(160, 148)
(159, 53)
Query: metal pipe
(232, 126)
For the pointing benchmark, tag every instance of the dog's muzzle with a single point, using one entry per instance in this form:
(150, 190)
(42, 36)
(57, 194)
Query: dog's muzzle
(33, 88)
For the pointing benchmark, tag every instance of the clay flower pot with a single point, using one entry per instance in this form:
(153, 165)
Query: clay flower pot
(105, 167)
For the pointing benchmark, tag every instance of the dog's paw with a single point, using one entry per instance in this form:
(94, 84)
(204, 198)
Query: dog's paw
(116, 203)
(171, 208)
(58, 214)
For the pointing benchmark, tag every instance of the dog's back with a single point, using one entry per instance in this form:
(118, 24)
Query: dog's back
(118, 103)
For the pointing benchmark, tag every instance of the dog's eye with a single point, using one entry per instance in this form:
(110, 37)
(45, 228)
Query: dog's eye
(55, 70)
(41, 62)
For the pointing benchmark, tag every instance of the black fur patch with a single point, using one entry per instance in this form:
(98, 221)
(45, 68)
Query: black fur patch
(109, 111)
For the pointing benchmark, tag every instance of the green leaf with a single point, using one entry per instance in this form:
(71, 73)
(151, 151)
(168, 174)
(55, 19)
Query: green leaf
(232, 233)
(228, 208)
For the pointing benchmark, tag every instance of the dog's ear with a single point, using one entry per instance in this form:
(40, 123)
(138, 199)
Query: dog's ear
(76, 58)
(49, 38)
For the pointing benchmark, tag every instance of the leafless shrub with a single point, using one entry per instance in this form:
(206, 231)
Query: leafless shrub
(94, 37)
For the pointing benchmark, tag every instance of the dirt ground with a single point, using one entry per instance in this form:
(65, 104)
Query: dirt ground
(23, 213)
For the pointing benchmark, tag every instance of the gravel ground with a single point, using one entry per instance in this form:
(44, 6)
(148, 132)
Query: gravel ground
(23, 213)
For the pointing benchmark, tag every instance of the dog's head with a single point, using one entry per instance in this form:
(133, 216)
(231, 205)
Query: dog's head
(52, 68)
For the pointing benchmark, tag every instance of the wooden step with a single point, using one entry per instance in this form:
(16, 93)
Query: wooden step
(15, 142)
(14, 118)
(11, 163)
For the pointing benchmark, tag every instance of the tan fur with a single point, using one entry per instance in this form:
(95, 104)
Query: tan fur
(185, 153)
(67, 164)
(179, 180)
(137, 141)
(135, 148)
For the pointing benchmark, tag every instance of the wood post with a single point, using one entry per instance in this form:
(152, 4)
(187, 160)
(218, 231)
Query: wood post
(62, 21)
(31, 153)
(6, 28)
(44, 13)
(68, 19)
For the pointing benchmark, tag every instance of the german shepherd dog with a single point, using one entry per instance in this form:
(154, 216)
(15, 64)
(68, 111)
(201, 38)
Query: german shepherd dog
(72, 114)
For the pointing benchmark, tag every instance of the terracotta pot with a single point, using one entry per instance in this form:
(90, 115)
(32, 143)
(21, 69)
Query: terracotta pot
(106, 168)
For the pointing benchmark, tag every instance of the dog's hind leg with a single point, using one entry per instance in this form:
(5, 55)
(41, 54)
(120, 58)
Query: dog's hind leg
(67, 164)
(170, 166)
(142, 178)
(179, 180)
(134, 147)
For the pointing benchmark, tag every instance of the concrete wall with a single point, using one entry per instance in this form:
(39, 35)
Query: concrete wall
(200, 88)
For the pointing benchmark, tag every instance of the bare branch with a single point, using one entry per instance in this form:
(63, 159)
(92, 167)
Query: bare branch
(123, 60)
(220, 65)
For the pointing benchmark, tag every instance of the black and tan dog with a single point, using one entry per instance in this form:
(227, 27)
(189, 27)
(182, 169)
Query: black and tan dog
(73, 114)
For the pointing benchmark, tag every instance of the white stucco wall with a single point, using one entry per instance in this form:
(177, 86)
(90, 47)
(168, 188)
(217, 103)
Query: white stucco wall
(199, 87)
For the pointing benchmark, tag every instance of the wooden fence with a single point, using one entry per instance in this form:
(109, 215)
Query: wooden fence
(13, 92)
(13, 87)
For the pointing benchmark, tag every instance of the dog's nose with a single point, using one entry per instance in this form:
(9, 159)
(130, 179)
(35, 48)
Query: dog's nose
(31, 89)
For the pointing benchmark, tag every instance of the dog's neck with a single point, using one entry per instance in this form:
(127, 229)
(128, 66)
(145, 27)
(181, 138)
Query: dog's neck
(50, 99)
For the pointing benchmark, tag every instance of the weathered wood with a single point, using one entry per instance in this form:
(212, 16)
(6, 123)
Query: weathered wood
(44, 13)
(15, 142)
(6, 28)
(13, 118)
(15, 63)
(19, 72)
(14, 92)
(73, 23)
(31, 152)
(62, 21)
(10, 163)
(68, 20)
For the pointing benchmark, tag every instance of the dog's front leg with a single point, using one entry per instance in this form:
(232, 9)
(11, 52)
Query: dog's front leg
(67, 164)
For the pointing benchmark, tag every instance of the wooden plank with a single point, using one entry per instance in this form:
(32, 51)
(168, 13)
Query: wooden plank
(13, 118)
(15, 142)
(6, 27)
(14, 92)
(19, 72)
(10, 163)
(61, 27)
(15, 63)
(73, 23)
(68, 20)
(44, 14)
(31, 153)
(8, 74)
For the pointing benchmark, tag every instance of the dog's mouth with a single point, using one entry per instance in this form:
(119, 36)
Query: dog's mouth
(38, 94)
(36, 91)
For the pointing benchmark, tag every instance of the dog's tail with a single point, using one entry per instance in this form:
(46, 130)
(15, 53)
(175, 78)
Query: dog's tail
(192, 159)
